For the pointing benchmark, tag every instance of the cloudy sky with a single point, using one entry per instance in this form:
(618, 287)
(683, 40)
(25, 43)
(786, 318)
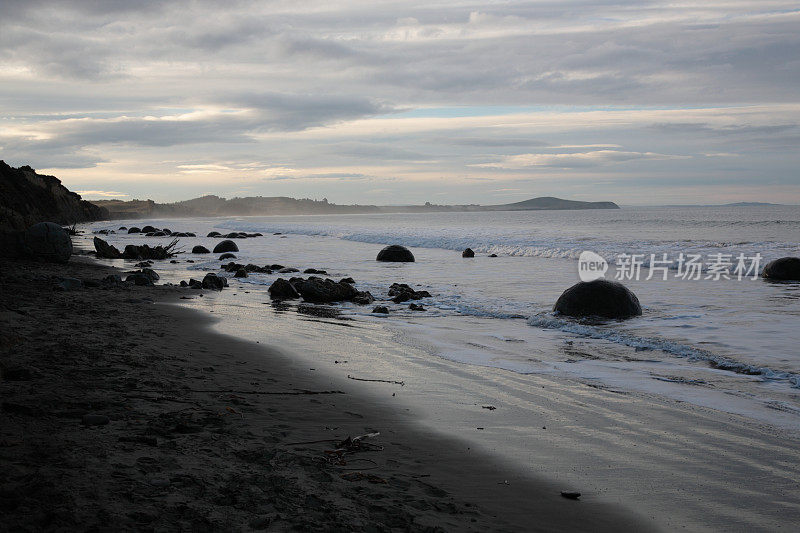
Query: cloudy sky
(640, 102)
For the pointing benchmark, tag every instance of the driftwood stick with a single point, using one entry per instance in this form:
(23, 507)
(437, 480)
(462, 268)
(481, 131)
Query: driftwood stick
(401, 383)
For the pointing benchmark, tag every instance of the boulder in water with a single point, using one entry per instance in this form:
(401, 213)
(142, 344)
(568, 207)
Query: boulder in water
(282, 290)
(783, 269)
(149, 229)
(214, 282)
(241, 273)
(226, 246)
(607, 299)
(396, 253)
(468, 253)
(105, 250)
(381, 309)
(47, 241)
(227, 256)
(213, 234)
(317, 290)
(200, 250)
(134, 229)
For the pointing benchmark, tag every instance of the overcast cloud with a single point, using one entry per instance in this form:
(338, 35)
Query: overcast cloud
(389, 101)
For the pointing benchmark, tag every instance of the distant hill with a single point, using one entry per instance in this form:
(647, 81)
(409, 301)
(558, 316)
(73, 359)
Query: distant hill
(27, 198)
(210, 206)
(549, 202)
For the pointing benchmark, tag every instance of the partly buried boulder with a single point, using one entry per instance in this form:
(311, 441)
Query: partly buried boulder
(227, 256)
(396, 253)
(318, 290)
(200, 250)
(783, 269)
(134, 229)
(607, 299)
(213, 234)
(105, 250)
(468, 253)
(149, 229)
(47, 241)
(226, 246)
(282, 290)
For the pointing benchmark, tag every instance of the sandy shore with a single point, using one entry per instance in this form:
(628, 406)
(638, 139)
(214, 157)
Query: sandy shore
(121, 413)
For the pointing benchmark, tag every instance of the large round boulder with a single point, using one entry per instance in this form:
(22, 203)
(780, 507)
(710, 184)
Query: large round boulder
(134, 229)
(468, 253)
(783, 269)
(396, 253)
(200, 250)
(607, 299)
(226, 246)
(149, 229)
(47, 241)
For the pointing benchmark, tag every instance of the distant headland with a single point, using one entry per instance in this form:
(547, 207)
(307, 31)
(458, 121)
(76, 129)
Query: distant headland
(280, 205)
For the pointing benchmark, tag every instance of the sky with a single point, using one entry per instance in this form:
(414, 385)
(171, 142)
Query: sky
(390, 102)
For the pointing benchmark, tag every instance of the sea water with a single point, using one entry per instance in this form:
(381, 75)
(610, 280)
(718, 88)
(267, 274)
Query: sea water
(716, 341)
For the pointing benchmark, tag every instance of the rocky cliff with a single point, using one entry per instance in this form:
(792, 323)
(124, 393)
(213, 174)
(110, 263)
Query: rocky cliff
(27, 198)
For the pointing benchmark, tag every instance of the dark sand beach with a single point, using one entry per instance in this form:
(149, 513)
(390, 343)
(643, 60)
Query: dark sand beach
(122, 412)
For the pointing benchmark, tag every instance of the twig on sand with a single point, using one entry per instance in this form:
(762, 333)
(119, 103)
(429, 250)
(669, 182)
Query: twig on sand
(401, 383)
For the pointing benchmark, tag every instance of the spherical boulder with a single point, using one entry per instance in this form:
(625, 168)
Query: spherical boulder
(134, 229)
(607, 299)
(227, 256)
(149, 229)
(200, 250)
(226, 246)
(468, 253)
(783, 269)
(213, 234)
(47, 241)
(395, 253)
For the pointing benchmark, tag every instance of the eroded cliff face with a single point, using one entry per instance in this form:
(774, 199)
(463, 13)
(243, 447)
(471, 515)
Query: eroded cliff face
(27, 198)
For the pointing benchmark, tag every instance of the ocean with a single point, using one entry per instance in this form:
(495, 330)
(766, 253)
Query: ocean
(718, 342)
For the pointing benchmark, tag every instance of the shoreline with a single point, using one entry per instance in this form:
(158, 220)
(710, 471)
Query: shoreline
(223, 458)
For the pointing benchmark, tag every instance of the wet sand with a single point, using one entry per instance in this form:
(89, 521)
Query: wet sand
(121, 413)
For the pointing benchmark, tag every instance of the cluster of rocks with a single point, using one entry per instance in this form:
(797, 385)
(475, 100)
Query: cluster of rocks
(240, 271)
(211, 281)
(151, 231)
(234, 235)
(131, 251)
(400, 292)
(144, 277)
(318, 290)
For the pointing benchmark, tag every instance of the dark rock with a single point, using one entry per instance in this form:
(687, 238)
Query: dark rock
(314, 271)
(105, 250)
(276, 267)
(570, 494)
(195, 283)
(381, 309)
(174, 262)
(468, 253)
(134, 229)
(95, 420)
(492, 255)
(121, 228)
(226, 246)
(396, 253)
(400, 292)
(250, 267)
(415, 307)
(137, 278)
(143, 264)
(149, 229)
(226, 256)
(600, 297)
(256, 235)
(184, 283)
(783, 269)
(347, 280)
(151, 274)
(363, 298)
(288, 270)
(167, 231)
(214, 282)
(149, 234)
(278, 233)
(318, 290)
(48, 242)
(241, 273)
(200, 250)
(282, 290)
(189, 234)
(213, 234)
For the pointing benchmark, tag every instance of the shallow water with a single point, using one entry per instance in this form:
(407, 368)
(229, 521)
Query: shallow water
(727, 344)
